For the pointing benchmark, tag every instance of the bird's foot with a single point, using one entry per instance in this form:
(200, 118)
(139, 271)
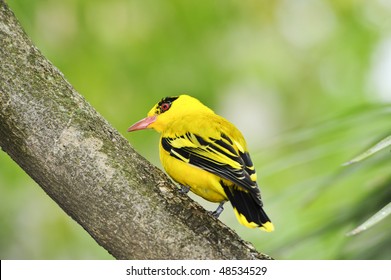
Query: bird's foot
(218, 211)
(184, 189)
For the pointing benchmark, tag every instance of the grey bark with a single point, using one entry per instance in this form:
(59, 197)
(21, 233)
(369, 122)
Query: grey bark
(126, 204)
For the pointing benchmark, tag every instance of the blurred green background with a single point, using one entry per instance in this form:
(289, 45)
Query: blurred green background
(307, 82)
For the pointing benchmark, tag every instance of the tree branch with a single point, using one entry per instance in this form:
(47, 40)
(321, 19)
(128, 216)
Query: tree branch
(127, 205)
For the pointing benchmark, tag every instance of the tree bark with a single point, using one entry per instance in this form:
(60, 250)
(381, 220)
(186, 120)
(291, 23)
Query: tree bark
(126, 204)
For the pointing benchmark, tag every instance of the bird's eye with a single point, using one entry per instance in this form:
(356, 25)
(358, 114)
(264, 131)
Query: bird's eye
(165, 106)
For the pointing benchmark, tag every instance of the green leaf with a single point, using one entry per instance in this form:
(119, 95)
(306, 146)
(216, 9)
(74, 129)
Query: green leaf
(380, 215)
(374, 149)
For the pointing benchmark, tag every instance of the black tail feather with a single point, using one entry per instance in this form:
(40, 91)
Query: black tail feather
(245, 204)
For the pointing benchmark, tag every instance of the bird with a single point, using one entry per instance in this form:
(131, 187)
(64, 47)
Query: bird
(206, 154)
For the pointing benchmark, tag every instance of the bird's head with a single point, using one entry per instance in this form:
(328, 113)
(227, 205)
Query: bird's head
(167, 110)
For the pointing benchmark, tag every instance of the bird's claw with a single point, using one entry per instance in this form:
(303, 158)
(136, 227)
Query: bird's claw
(218, 211)
(184, 189)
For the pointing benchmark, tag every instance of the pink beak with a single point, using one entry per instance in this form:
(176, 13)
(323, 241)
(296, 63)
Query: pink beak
(142, 124)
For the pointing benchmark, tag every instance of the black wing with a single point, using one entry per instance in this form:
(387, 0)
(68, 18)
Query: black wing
(217, 156)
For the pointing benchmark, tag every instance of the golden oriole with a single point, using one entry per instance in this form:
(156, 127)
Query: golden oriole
(207, 154)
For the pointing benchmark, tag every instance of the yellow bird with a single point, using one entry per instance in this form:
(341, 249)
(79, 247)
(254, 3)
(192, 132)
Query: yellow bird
(207, 154)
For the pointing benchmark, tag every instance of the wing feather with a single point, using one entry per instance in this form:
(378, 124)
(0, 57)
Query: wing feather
(217, 156)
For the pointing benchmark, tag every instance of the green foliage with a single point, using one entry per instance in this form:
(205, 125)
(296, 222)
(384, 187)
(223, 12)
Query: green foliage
(305, 81)
(384, 143)
(323, 200)
(386, 210)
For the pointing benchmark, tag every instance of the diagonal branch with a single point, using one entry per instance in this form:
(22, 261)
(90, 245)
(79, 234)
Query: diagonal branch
(126, 204)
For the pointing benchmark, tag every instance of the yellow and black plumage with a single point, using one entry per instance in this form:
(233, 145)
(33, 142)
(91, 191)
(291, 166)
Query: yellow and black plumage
(207, 154)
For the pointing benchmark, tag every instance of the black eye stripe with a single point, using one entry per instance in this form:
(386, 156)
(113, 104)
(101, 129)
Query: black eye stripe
(168, 100)
(166, 103)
